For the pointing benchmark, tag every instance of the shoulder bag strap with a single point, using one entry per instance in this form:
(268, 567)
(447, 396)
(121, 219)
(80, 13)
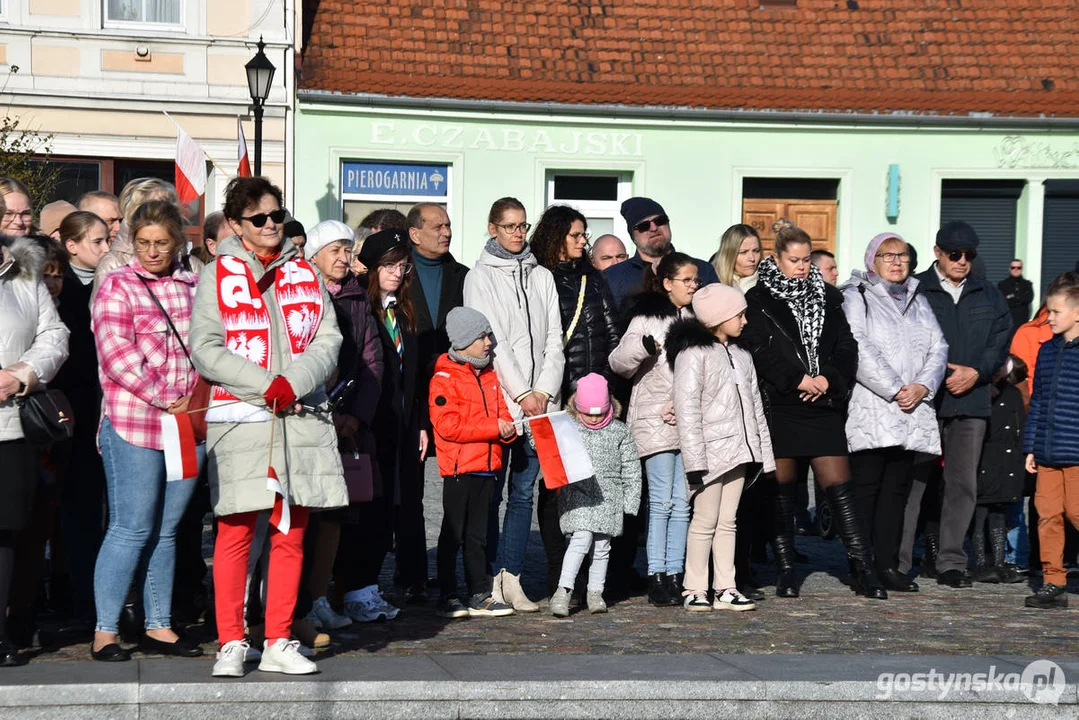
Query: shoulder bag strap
(577, 313)
(167, 318)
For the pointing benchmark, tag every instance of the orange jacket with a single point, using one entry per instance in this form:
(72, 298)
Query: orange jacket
(466, 406)
(1026, 342)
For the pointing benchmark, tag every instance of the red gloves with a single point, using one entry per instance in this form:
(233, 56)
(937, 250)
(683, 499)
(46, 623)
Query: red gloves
(281, 393)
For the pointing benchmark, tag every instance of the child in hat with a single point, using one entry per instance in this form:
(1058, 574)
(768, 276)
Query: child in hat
(590, 511)
(469, 417)
(723, 435)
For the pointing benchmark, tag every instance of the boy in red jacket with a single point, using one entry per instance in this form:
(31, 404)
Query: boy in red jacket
(469, 417)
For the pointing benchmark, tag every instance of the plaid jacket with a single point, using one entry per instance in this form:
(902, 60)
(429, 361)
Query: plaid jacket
(142, 366)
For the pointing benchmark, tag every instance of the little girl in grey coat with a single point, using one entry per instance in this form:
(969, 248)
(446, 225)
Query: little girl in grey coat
(590, 511)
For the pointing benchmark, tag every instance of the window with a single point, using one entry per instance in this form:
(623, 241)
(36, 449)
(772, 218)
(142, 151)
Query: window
(158, 12)
(598, 196)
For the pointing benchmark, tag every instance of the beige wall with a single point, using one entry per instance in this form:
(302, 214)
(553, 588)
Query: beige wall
(128, 61)
(226, 69)
(55, 60)
(68, 8)
(143, 124)
(228, 17)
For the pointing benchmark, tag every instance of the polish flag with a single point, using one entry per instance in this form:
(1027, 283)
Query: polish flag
(244, 167)
(279, 516)
(190, 168)
(562, 455)
(181, 459)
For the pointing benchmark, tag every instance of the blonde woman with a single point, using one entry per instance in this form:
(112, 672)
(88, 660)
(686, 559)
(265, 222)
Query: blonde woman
(18, 218)
(738, 256)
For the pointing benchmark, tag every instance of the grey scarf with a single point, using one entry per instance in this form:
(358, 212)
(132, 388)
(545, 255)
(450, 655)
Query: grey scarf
(500, 252)
(478, 363)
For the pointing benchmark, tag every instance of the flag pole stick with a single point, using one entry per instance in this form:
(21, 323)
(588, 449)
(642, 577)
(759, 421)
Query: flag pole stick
(208, 156)
(530, 418)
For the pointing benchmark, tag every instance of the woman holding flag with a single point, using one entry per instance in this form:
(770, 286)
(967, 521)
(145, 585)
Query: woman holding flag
(141, 317)
(265, 336)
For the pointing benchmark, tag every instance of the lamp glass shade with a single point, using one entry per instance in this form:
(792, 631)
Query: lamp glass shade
(260, 72)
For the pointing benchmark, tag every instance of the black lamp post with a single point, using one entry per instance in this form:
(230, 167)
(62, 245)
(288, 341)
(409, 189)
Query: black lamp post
(260, 73)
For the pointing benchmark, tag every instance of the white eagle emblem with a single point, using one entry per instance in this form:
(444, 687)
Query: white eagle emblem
(253, 349)
(300, 323)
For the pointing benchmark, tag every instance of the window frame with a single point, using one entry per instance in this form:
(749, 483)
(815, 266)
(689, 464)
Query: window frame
(109, 23)
(605, 209)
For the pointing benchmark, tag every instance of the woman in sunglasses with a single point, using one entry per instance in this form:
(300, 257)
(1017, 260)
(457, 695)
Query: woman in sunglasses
(806, 358)
(518, 296)
(265, 336)
(589, 333)
(901, 359)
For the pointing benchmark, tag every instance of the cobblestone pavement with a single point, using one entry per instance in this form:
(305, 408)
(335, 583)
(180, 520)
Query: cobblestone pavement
(828, 618)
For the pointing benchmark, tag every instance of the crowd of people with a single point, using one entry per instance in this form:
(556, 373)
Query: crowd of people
(319, 369)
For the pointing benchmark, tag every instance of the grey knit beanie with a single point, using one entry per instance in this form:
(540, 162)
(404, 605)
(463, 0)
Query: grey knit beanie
(465, 326)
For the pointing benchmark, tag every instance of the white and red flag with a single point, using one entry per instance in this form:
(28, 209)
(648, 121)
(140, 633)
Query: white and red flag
(562, 455)
(181, 458)
(279, 516)
(190, 168)
(243, 168)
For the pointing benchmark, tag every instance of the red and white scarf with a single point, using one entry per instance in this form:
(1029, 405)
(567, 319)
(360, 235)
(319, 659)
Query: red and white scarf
(248, 327)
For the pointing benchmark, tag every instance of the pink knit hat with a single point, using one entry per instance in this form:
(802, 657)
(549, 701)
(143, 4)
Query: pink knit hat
(592, 397)
(717, 303)
(874, 245)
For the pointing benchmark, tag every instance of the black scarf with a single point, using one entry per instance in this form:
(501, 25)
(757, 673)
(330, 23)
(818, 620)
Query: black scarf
(806, 301)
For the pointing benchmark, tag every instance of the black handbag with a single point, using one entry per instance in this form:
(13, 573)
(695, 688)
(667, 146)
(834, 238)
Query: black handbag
(46, 418)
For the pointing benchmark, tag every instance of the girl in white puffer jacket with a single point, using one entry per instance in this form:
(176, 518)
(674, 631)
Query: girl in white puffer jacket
(724, 438)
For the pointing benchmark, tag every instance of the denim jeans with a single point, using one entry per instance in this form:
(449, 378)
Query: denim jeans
(523, 469)
(144, 511)
(1018, 552)
(668, 513)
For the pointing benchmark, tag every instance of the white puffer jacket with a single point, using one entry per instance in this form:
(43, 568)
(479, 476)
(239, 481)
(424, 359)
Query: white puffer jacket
(519, 299)
(897, 346)
(650, 314)
(721, 422)
(33, 340)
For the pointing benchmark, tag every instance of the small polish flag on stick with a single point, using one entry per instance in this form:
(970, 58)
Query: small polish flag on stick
(181, 459)
(243, 169)
(279, 516)
(562, 455)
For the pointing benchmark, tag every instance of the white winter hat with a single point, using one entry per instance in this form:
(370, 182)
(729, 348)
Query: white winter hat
(326, 233)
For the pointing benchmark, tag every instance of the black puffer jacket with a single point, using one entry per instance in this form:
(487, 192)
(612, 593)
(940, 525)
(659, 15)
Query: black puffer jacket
(1001, 474)
(596, 333)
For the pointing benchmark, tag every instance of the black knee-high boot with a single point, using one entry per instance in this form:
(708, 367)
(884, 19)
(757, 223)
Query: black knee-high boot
(783, 541)
(866, 581)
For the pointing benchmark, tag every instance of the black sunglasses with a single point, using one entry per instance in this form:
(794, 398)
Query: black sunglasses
(258, 220)
(646, 225)
(956, 255)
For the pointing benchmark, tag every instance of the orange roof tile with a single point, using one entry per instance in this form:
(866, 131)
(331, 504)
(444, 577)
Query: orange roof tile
(1006, 58)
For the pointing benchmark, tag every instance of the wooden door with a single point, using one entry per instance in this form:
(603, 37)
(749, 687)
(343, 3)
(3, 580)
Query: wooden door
(816, 217)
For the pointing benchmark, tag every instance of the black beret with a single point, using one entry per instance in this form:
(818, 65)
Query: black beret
(377, 245)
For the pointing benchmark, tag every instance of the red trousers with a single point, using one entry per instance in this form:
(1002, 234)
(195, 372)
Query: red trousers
(231, 551)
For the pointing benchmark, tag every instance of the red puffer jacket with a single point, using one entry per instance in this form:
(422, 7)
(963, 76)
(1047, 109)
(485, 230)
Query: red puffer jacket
(465, 409)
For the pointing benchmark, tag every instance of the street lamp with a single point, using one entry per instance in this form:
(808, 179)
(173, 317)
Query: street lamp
(260, 73)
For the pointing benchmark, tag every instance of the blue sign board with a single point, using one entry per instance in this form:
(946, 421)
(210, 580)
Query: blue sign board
(366, 178)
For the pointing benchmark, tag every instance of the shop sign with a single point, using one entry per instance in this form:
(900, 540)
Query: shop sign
(367, 178)
(508, 139)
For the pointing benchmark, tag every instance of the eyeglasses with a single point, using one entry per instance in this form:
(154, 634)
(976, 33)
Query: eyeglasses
(586, 234)
(162, 246)
(514, 229)
(259, 219)
(403, 268)
(646, 225)
(25, 215)
(957, 255)
(890, 258)
(689, 282)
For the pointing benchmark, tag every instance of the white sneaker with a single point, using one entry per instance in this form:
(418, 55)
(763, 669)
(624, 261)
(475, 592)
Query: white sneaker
(731, 599)
(370, 607)
(230, 659)
(284, 656)
(390, 611)
(327, 618)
